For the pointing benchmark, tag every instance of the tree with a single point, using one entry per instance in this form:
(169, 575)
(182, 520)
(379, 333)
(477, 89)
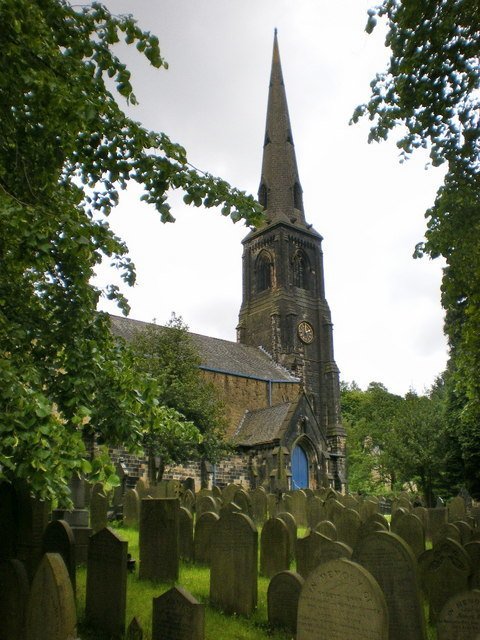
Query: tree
(169, 357)
(431, 88)
(66, 148)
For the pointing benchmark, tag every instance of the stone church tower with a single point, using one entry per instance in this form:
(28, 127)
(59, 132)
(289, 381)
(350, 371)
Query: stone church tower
(284, 309)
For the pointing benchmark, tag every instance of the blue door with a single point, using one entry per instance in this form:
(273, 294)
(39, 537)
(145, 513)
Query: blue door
(299, 468)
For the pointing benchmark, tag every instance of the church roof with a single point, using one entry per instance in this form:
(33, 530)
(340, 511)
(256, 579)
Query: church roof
(263, 425)
(222, 356)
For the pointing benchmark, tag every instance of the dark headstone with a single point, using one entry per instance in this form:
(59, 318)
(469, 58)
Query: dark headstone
(473, 550)
(33, 516)
(13, 599)
(234, 557)
(204, 504)
(228, 493)
(185, 534)
(177, 615)
(447, 530)
(436, 518)
(315, 549)
(107, 583)
(410, 529)
(344, 601)
(188, 501)
(465, 531)
(158, 539)
(446, 575)
(391, 562)
(292, 529)
(242, 499)
(204, 528)
(274, 547)
(98, 508)
(131, 508)
(282, 600)
(460, 617)
(259, 505)
(58, 538)
(51, 613)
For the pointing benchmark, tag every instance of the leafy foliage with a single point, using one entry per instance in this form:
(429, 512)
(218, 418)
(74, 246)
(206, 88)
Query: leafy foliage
(169, 357)
(66, 147)
(431, 88)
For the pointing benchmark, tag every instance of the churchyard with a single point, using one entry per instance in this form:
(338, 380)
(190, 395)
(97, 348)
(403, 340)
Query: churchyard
(235, 564)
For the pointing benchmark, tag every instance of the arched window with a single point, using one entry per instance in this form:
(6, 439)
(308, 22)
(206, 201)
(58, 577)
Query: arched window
(262, 195)
(264, 271)
(300, 269)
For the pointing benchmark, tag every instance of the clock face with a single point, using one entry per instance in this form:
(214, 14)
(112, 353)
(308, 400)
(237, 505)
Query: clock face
(305, 332)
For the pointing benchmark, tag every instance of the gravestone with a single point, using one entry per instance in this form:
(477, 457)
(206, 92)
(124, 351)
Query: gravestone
(391, 562)
(204, 504)
(33, 516)
(217, 492)
(134, 631)
(460, 617)
(410, 529)
(348, 525)
(446, 575)
(274, 547)
(185, 534)
(447, 530)
(98, 508)
(13, 599)
(456, 509)
(327, 529)
(204, 528)
(272, 505)
(315, 511)
(158, 539)
(422, 513)
(436, 518)
(315, 549)
(242, 499)
(282, 600)
(177, 615)
(465, 531)
(292, 529)
(397, 516)
(259, 505)
(106, 594)
(142, 488)
(131, 508)
(51, 611)
(285, 504)
(367, 508)
(188, 500)
(58, 538)
(333, 510)
(340, 600)
(233, 569)
(229, 491)
(376, 522)
(473, 550)
(298, 506)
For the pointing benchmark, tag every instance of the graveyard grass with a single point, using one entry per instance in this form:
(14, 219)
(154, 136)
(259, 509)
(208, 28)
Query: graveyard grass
(196, 579)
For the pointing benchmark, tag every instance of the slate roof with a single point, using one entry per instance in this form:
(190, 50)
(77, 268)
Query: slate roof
(263, 425)
(218, 355)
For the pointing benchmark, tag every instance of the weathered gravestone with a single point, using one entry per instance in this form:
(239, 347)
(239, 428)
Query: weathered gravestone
(333, 510)
(465, 531)
(348, 525)
(327, 529)
(205, 504)
(51, 611)
(372, 524)
(185, 534)
(315, 511)
(473, 550)
(272, 505)
(131, 508)
(274, 547)
(106, 595)
(58, 538)
(177, 615)
(292, 529)
(233, 569)
(391, 562)
(456, 509)
(447, 530)
(422, 513)
(367, 508)
(188, 500)
(298, 506)
(242, 499)
(460, 617)
(142, 488)
(204, 528)
(446, 574)
(436, 518)
(229, 491)
(134, 631)
(397, 516)
(98, 508)
(158, 539)
(13, 599)
(410, 529)
(315, 549)
(282, 600)
(340, 600)
(259, 505)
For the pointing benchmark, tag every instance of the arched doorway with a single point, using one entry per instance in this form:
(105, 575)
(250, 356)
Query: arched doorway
(299, 468)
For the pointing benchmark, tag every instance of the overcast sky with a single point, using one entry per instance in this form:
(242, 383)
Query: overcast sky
(369, 208)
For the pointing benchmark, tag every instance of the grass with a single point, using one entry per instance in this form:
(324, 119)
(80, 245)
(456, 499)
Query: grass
(196, 580)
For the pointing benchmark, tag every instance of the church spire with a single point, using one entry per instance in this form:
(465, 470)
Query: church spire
(280, 191)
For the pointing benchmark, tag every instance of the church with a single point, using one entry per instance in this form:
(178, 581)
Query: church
(279, 381)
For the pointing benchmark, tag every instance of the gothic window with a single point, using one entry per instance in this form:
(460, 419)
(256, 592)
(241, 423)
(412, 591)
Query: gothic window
(300, 269)
(264, 271)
